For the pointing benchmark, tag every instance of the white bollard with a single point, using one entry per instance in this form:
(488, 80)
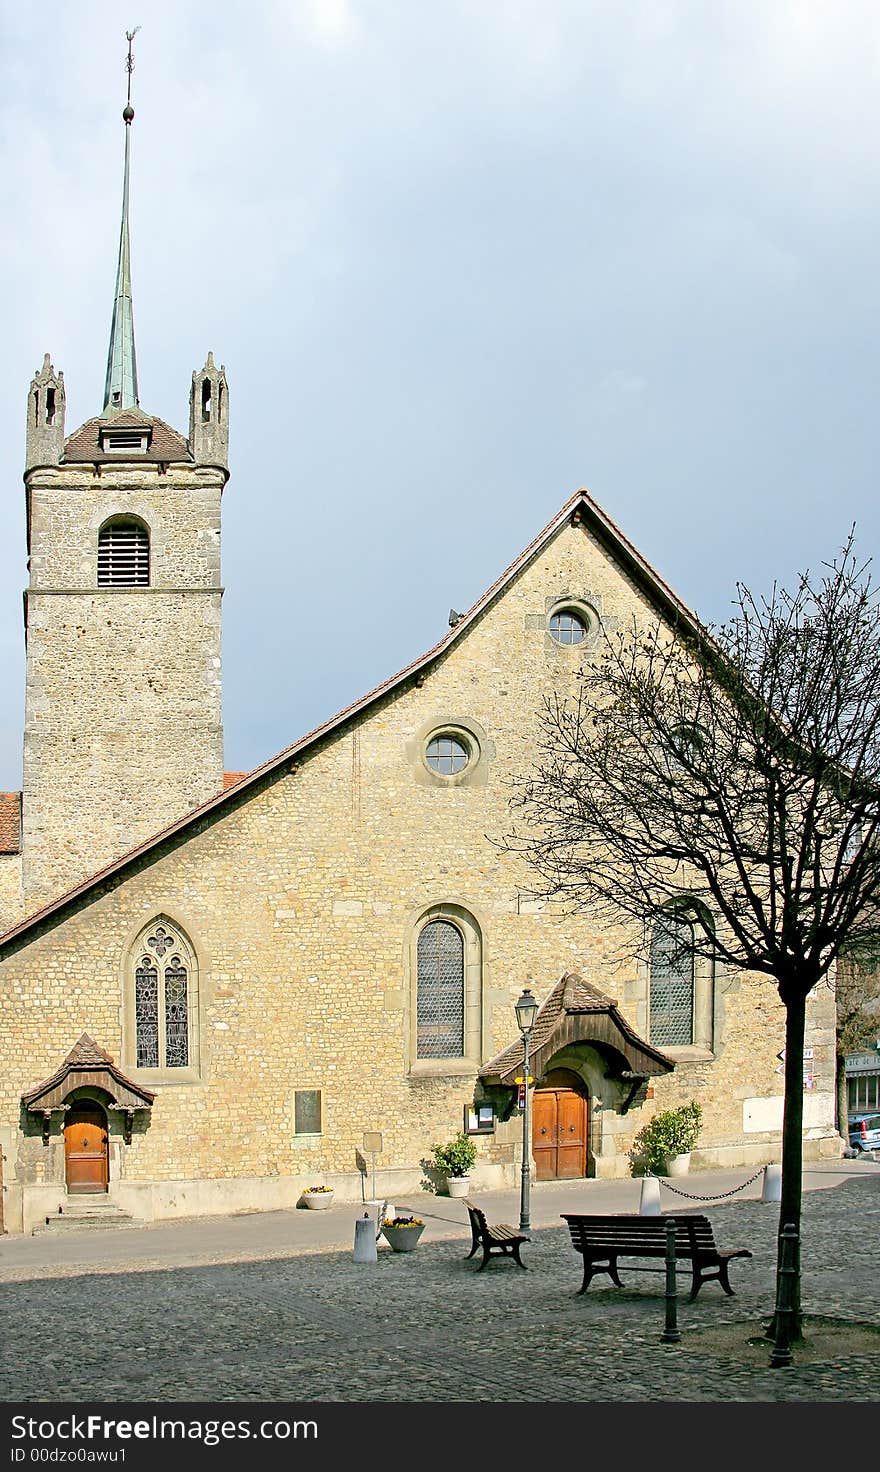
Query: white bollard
(381, 1209)
(772, 1187)
(649, 1204)
(365, 1240)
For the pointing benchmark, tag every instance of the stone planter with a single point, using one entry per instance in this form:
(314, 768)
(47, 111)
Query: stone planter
(403, 1239)
(317, 1200)
(458, 1186)
(677, 1165)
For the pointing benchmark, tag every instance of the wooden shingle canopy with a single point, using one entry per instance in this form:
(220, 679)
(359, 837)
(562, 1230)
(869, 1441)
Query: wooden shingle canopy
(87, 1066)
(577, 1012)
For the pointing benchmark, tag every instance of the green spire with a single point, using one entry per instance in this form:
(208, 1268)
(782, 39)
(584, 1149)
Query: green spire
(121, 386)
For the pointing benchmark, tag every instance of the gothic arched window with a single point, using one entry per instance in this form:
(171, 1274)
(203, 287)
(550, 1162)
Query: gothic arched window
(165, 999)
(681, 999)
(124, 555)
(440, 991)
(672, 981)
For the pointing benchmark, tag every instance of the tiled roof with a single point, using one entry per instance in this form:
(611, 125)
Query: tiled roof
(87, 1062)
(86, 1052)
(84, 445)
(10, 822)
(230, 779)
(580, 509)
(577, 1011)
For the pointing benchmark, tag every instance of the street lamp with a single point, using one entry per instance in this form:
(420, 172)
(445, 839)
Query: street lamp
(526, 1012)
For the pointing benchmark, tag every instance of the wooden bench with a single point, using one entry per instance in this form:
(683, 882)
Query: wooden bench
(500, 1239)
(602, 1240)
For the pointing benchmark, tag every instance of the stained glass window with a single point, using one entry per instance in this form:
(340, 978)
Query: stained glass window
(176, 1017)
(672, 982)
(146, 1006)
(163, 1000)
(440, 997)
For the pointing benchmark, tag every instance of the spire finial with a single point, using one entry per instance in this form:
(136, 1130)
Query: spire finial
(128, 110)
(120, 386)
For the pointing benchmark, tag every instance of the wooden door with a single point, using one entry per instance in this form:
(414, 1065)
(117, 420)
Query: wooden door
(86, 1150)
(559, 1134)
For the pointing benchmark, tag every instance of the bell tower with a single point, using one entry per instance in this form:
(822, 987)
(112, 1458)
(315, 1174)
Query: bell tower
(123, 711)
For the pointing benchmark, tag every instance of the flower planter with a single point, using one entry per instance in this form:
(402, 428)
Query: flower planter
(458, 1185)
(317, 1200)
(677, 1165)
(403, 1239)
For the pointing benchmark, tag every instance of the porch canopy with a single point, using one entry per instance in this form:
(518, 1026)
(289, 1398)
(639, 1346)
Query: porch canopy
(577, 1012)
(87, 1066)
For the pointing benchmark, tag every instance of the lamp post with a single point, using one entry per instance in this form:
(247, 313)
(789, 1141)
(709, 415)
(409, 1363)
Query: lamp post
(526, 1012)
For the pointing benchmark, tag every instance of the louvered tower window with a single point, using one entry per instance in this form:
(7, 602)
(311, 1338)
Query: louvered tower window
(124, 555)
(440, 1004)
(672, 982)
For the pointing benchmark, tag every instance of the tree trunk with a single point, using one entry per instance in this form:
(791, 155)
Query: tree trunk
(792, 1156)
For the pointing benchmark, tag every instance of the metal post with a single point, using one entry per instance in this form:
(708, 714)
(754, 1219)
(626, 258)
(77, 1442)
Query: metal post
(671, 1333)
(524, 1223)
(785, 1291)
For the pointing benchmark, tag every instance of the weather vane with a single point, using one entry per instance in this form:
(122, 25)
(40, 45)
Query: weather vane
(129, 67)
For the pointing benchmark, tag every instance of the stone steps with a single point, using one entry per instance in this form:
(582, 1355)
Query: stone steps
(86, 1213)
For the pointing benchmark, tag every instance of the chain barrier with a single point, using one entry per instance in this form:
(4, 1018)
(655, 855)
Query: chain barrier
(721, 1197)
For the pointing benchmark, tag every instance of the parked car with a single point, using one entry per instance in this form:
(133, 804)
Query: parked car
(864, 1131)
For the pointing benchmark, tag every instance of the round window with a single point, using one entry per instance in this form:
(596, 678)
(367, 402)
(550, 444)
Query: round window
(447, 755)
(567, 627)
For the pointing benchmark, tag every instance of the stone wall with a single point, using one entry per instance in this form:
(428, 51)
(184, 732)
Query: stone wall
(123, 722)
(11, 905)
(301, 900)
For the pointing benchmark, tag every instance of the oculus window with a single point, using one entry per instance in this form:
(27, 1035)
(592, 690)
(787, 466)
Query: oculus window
(447, 754)
(567, 627)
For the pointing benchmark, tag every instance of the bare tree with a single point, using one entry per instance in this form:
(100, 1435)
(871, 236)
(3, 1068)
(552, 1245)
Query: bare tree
(733, 775)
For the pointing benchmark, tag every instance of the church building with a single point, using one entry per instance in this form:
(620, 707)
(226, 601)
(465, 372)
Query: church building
(214, 985)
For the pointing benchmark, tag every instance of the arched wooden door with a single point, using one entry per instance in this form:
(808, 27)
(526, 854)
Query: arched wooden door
(86, 1149)
(560, 1121)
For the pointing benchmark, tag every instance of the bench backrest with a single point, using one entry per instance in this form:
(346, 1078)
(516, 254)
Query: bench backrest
(644, 1235)
(478, 1220)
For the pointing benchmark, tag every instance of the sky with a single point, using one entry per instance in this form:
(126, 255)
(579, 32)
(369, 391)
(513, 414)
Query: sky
(458, 259)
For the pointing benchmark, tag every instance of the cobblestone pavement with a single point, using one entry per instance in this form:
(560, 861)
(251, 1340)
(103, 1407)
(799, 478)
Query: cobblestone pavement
(140, 1315)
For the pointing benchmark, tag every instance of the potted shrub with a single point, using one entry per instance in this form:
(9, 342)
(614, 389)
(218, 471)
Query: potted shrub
(455, 1160)
(403, 1232)
(317, 1197)
(663, 1145)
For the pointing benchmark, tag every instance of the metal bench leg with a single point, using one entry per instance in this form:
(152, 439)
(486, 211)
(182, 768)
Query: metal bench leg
(516, 1256)
(588, 1277)
(724, 1280)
